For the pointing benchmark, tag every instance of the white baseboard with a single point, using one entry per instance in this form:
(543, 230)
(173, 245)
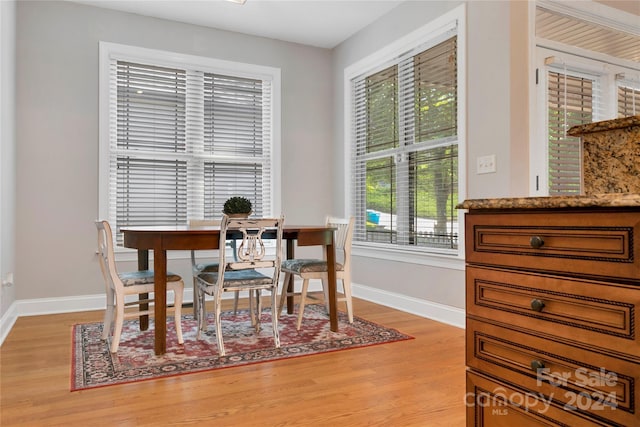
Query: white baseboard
(8, 320)
(453, 316)
(39, 306)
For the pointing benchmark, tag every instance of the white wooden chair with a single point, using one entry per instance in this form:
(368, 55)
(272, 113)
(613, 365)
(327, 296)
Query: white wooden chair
(309, 269)
(245, 273)
(209, 266)
(119, 285)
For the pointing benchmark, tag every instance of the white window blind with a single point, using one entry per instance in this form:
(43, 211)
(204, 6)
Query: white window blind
(628, 96)
(570, 100)
(236, 114)
(183, 140)
(404, 153)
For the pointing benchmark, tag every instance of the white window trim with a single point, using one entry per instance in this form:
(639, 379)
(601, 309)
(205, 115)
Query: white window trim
(413, 254)
(109, 50)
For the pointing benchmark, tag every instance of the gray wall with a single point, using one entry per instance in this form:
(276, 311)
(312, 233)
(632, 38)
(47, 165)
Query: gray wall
(57, 131)
(489, 112)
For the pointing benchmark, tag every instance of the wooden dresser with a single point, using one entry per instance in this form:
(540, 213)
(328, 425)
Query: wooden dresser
(553, 301)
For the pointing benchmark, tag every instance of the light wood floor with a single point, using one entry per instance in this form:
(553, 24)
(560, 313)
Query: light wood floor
(411, 383)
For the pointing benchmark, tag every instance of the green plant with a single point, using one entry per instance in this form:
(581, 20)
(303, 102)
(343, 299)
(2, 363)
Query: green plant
(237, 205)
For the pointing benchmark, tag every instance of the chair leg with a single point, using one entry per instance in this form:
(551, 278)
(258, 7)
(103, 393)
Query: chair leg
(195, 299)
(202, 313)
(236, 297)
(284, 293)
(258, 309)
(346, 286)
(177, 316)
(117, 331)
(218, 308)
(325, 291)
(108, 315)
(252, 313)
(303, 297)
(274, 319)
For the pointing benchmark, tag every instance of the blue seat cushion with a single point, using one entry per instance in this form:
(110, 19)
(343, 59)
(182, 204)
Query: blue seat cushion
(234, 278)
(144, 277)
(302, 265)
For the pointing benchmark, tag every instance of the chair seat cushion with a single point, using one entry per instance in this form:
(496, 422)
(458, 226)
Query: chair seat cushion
(144, 277)
(299, 266)
(238, 278)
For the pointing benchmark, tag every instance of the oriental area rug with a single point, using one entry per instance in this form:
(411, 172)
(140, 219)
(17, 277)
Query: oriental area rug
(93, 365)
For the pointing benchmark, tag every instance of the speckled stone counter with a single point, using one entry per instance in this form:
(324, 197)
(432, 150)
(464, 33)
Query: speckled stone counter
(611, 155)
(555, 202)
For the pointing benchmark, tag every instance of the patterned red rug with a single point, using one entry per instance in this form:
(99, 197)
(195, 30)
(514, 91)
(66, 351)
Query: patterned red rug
(94, 366)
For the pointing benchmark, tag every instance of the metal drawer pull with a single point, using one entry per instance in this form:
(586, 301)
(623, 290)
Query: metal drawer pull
(537, 305)
(537, 365)
(536, 242)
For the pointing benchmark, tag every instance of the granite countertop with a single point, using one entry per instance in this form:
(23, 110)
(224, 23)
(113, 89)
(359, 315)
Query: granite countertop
(551, 202)
(605, 125)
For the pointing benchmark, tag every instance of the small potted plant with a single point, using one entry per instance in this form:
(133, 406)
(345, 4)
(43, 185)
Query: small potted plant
(237, 207)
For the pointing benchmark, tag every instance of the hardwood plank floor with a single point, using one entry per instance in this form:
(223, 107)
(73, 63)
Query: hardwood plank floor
(420, 382)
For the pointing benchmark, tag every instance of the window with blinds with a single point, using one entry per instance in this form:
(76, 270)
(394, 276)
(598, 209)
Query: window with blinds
(628, 99)
(585, 62)
(570, 102)
(184, 140)
(405, 149)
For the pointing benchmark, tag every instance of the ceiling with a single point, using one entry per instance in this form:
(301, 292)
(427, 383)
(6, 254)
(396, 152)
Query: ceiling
(321, 23)
(568, 30)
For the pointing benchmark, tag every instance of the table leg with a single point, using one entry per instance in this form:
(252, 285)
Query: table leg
(143, 264)
(160, 298)
(331, 270)
(290, 285)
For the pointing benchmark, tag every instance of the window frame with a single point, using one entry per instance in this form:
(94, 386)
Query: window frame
(109, 51)
(605, 101)
(377, 61)
(578, 61)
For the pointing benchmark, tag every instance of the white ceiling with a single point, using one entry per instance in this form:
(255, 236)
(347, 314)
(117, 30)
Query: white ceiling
(321, 23)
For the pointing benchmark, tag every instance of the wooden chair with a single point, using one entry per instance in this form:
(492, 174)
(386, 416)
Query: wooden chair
(309, 269)
(119, 285)
(209, 266)
(244, 273)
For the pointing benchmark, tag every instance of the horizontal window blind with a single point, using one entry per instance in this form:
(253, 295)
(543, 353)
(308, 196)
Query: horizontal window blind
(233, 116)
(381, 92)
(628, 99)
(436, 92)
(570, 103)
(404, 154)
(226, 179)
(182, 141)
(234, 138)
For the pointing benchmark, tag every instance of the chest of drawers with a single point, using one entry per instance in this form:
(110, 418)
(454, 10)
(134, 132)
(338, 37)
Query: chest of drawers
(552, 303)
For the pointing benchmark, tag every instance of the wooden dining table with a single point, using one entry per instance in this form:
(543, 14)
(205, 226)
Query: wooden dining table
(161, 239)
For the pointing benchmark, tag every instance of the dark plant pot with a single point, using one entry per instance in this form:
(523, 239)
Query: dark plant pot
(239, 215)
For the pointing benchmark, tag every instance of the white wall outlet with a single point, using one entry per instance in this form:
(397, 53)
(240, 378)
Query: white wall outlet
(487, 164)
(8, 281)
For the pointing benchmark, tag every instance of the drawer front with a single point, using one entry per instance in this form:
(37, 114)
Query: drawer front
(492, 403)
(604, 386)
(585, 243)
(591, 312)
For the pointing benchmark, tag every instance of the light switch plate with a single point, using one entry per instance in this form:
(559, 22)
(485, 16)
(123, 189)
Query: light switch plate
(487, 164)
